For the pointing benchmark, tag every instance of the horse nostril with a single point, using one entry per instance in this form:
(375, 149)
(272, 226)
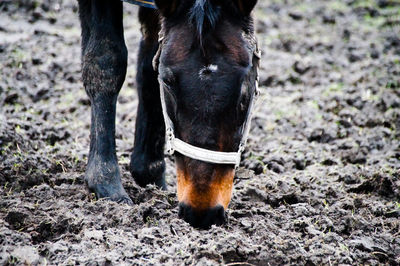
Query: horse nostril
(202, 219)
(183, 210)
(186, 213)
(219, 215)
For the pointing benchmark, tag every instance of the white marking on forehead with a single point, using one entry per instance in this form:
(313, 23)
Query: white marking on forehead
(203, 73)
(213, 68)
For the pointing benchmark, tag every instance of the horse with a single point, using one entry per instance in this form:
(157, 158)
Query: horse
(197, 80)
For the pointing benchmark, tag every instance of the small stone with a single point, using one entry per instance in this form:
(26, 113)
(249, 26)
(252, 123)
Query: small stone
(346, 34)
(301, 67)
(345, 123)
(58, 247)
(11, 98)
(300, 163)
(276, 167)
(374, 53)
(295, 15)
(36, 15)
(328, 19)
(354, 56)
(16, 219)
(319, 135)
(256, 167)
(351, 179)
(328, 162)
(37, 61)
(245, 223)
(359, 158)
(26, 255)
(52, 20)
(364, 244)
(94, 234)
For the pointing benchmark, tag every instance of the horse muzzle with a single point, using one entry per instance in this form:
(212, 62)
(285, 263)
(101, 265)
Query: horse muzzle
(202, 219)
(204, 192)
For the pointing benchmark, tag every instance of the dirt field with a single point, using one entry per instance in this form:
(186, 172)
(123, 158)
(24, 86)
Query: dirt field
(319, 183)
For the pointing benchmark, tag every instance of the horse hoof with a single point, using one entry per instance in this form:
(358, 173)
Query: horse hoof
(105, 183)
(111, 192)
(125, 200)
(145, 173)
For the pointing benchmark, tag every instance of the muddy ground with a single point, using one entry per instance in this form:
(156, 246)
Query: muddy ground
(319, 183)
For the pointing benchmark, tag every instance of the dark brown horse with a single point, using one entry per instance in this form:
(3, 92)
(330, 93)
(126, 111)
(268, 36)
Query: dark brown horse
(206, 63)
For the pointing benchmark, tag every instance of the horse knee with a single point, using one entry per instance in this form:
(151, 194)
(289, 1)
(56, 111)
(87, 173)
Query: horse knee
(104, 66)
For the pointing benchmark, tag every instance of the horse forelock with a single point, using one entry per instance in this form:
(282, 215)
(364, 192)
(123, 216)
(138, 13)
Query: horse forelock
(204, 14)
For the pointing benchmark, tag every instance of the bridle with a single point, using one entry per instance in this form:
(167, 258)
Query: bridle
(175, 144)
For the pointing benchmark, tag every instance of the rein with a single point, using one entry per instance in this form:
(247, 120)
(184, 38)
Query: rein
(175, 144)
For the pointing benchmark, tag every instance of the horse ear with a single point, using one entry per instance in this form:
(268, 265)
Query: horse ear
(167, 7)
(245, 6)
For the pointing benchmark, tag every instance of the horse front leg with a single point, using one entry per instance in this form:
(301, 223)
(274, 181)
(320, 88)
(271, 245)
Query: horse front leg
(147, 160)
(104, 62)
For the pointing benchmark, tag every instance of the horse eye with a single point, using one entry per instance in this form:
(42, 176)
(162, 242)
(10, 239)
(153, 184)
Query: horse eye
(169, 83)
(243, 109)
(168, 78)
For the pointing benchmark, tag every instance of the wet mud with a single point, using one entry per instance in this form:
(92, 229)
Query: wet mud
(319, 181)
